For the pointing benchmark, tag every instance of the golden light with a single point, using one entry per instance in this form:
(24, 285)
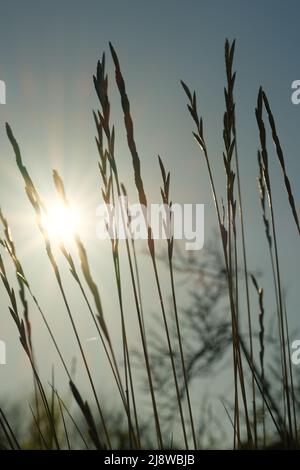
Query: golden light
(61, 222)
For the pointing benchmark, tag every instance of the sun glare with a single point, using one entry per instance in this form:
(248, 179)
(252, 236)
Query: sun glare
(61, 222)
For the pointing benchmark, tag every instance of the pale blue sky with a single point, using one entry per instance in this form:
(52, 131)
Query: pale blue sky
(48, 53)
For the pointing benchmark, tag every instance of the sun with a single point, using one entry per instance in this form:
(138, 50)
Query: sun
(61, 222)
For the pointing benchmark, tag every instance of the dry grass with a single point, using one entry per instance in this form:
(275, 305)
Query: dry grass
(250, 398)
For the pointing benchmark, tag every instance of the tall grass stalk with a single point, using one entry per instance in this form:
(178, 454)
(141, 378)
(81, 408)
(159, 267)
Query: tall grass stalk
(38, 207)
(143, 201)
(102, 124)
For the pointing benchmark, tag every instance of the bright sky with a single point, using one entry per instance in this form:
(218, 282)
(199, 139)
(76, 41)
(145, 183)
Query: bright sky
(48, 53)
